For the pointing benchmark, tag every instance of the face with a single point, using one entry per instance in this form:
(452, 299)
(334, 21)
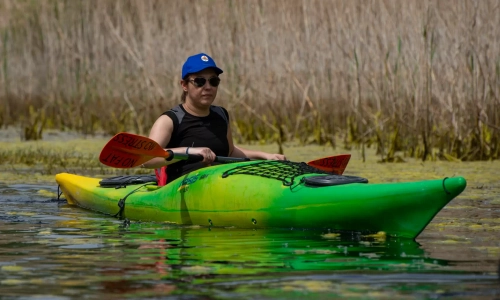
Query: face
(205, 94)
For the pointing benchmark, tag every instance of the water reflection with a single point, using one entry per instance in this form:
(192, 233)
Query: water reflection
(152, 258)
(53, 250)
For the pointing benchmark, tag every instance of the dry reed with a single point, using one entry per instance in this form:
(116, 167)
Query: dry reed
(420, 78)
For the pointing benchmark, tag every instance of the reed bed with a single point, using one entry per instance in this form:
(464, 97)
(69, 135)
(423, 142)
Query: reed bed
(26, 159)
(411, 78)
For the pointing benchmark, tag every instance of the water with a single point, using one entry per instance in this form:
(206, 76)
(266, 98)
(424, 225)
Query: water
(49, 250)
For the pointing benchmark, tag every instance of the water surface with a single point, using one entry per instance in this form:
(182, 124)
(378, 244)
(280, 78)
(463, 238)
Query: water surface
(50, 250)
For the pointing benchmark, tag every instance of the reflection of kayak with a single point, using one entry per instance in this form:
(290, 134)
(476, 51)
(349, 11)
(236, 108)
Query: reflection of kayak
(268, 194)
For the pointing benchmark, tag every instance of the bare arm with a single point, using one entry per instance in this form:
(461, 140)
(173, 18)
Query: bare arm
(161, 132)
(237, 151)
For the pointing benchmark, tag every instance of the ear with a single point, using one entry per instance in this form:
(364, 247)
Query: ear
(184, 84)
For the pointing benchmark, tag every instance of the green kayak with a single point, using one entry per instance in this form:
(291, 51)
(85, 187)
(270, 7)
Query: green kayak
(267, 194)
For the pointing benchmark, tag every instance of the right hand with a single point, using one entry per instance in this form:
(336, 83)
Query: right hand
(208, 155)
(275, 156)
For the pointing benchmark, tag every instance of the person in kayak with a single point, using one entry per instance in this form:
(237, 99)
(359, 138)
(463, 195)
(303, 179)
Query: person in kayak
(196, 126)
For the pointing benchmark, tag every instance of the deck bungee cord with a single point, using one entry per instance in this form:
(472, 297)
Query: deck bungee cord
(288, 171)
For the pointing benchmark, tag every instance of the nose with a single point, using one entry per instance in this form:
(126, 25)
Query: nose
(207, 85)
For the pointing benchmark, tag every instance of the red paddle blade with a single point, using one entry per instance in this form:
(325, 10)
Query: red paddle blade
(126, 150)
(333, 164)
(119, 159)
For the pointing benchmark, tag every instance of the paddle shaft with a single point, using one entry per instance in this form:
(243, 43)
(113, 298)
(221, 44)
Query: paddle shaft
(126, 150)
(195, 157)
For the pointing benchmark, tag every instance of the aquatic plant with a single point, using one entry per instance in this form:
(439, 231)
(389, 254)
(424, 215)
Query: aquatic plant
(420, 79)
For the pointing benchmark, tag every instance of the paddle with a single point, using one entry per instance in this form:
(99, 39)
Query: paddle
(333, 164)
(127, 150)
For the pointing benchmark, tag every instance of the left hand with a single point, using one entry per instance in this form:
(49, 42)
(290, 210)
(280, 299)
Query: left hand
(275, 156)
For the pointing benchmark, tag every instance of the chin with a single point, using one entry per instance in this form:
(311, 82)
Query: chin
(206, 101)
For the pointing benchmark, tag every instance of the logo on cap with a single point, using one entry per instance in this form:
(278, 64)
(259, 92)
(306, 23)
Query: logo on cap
(204, 58)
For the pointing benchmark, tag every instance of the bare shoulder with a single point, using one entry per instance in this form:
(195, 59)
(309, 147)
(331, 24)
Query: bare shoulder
(163, 121)
(162, 129)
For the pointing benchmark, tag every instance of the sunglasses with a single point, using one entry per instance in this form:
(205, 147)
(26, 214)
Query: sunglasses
(200, 81)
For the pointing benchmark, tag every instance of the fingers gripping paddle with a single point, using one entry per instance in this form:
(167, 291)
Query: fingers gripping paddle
(126, 150)
(333, 164)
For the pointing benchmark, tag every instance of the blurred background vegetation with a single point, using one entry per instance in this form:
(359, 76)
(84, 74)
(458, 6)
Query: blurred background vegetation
(409, 78)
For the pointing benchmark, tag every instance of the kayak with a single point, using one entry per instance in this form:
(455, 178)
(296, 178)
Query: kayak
(268, 194)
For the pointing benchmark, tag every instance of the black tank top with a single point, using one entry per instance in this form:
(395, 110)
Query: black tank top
(193, 131)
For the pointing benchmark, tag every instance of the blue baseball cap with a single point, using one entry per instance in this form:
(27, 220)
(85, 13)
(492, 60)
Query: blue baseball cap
(197, 63)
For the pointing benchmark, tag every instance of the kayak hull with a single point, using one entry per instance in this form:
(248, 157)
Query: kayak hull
(206, 198)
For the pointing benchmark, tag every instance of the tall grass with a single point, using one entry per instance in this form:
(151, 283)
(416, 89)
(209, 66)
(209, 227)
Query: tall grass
(420, 78)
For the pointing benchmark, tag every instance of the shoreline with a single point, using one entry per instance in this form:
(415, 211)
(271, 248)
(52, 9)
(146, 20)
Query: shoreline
(14, 134)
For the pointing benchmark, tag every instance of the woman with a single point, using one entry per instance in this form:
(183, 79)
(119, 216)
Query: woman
(196, 126)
